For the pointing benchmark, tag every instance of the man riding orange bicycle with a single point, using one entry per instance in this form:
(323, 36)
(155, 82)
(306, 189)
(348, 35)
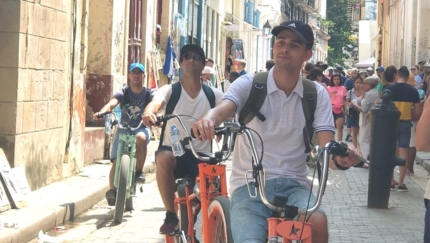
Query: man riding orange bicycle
(280, 125)
(190, 99)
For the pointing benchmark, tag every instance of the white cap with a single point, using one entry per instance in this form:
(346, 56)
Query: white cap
(330, 68)
(207, 69)
(370, 69)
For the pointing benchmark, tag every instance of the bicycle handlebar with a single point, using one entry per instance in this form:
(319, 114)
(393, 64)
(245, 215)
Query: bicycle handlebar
(218, 156)
(102, 115)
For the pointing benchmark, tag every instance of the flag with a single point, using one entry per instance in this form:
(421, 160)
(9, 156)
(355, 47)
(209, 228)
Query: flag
(168, 68)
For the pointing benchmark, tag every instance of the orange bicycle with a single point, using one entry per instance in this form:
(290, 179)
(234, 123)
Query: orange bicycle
(207, 194)
(282, 224)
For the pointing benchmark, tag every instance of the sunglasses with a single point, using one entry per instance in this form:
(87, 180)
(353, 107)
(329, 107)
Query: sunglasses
(196, 57)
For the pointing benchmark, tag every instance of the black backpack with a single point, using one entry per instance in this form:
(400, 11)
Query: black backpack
(174, 98)
(258, 95)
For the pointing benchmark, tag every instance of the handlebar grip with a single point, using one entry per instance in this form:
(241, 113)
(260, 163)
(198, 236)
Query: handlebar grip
(102, 115)
(218, 131)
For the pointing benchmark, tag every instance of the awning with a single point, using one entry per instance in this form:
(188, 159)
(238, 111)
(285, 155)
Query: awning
(369, 62)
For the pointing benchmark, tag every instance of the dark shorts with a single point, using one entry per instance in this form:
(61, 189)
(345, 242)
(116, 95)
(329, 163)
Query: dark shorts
(337, 116)
(186, 165)
(353, 121)
(404, 134)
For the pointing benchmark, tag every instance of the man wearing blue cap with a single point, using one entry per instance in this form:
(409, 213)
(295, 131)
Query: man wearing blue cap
(132, 100)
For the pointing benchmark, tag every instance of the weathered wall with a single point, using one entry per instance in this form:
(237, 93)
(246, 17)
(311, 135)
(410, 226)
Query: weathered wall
(107, 52)
(406, 34)
(36, 85)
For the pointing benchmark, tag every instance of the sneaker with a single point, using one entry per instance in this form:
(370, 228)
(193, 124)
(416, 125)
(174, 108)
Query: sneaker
(170, 224)
(410, 172)
(140, 177)
(348, 138)
(111, 197)
(402, 188)
(392, 188)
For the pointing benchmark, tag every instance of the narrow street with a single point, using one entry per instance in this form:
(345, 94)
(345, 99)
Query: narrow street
(344, 202)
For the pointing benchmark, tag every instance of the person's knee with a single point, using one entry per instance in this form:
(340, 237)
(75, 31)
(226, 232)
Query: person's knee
(165, 161)
(319, 222)
(141, 140)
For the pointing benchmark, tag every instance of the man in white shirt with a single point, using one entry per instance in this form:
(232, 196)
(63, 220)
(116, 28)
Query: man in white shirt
(284, 149)
(192, 103)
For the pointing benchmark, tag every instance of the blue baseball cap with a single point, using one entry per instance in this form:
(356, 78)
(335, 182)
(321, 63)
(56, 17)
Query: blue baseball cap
(136, 65)
(380, 68)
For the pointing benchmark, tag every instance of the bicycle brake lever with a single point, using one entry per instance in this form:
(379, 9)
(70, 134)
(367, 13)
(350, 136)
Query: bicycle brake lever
(247, 184)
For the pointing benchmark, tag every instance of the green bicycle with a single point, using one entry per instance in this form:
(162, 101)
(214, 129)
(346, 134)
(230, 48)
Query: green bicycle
(124, 169)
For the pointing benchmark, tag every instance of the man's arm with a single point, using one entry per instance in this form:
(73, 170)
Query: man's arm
(107, 108)
(205, 127)
(149, 116)
(422, 135)
(417, 110)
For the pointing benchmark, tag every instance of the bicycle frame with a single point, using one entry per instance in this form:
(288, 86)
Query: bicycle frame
(208, 191)
(126, 145)
(207, 179)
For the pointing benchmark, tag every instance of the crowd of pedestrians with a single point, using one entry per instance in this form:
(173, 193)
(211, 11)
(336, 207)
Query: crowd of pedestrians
(353, 94)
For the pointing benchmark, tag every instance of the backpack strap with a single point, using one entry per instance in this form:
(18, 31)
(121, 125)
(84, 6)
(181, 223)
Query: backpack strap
(309, 104)
(174, 98)
(255, 99)
(209, 94)
(126, 99)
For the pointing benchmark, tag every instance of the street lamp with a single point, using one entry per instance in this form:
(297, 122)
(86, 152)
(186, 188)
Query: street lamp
(267, 28)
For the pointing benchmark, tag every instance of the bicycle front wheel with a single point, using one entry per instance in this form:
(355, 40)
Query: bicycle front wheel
(219, 220)
(121, 191)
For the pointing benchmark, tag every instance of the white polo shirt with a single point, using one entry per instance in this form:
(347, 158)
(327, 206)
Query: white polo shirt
(281, 132)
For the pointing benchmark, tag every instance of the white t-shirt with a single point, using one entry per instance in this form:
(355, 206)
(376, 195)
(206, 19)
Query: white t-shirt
(281, 132)
(190, 109)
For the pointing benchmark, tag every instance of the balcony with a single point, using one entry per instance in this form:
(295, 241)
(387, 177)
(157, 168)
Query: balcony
(306, 5)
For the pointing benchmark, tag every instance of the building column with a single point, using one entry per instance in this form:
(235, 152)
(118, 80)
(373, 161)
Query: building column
(167, 22)
(423, 30)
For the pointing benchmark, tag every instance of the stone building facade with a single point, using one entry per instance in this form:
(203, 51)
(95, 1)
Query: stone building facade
(60, 61)
(404, 32)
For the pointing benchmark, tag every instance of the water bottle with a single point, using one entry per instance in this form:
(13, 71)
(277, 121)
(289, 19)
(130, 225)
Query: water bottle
(108, 125)
(177, 148)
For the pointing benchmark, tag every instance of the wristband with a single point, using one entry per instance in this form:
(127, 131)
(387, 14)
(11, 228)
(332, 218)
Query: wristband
(339, 166)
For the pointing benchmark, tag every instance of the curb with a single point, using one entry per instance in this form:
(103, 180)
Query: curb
(424, 159)
(45, 215)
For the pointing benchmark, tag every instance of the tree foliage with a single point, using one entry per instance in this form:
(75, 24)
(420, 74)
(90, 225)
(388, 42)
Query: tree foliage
(340, 33)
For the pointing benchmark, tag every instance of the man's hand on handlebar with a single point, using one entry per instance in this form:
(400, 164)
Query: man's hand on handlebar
(351, 160)
(204, 129)
(98, 116)
(149, 119)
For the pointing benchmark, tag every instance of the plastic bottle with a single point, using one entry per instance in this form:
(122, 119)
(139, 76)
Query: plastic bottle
(108, 125)
(177, 148)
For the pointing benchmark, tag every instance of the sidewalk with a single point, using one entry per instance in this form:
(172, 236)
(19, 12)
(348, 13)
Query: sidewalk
(59, 202)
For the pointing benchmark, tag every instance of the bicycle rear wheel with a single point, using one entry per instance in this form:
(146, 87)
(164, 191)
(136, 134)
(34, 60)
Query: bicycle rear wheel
(219, 220)
(121, 191)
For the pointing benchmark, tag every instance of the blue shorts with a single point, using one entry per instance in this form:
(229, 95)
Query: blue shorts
(404, 134)
(353, 121)
(144, 130)
(249, 215)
